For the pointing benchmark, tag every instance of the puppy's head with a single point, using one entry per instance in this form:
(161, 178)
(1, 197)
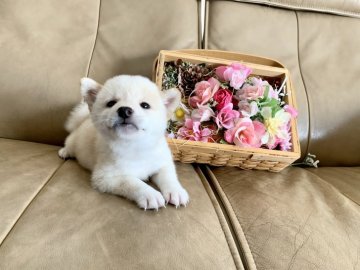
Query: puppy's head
(129, 107)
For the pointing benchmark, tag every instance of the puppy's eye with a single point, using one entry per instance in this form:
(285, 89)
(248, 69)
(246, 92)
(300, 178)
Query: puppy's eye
(145, 105)
(111, 103)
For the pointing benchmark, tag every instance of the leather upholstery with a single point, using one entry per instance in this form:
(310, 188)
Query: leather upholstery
(129, 44)
(266, 32)
(24, 169)
(331, 79)
(346, 8)
(344, 179)
(293, 219)
(66, 40)
(50, 218)
(45, 47)
(323, 68)
(71, 226)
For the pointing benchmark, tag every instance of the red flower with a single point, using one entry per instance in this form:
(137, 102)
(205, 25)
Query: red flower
(222, 98)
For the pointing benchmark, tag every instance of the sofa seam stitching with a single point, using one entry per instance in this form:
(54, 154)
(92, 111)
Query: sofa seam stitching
(95, 40)
(213, 178)
(30, 203)
(237, 217)
(217, 214)
(303, 81)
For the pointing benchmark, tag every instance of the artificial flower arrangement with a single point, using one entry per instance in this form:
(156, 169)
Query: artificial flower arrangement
(227, 104)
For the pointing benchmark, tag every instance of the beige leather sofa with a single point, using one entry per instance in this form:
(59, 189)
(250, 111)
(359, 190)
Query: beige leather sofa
(301, 218)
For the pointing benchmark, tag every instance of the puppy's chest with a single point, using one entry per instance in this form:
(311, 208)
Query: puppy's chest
(141, 165)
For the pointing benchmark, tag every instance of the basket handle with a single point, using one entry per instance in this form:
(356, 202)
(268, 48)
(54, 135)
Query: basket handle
(223, 55)
(233, 56)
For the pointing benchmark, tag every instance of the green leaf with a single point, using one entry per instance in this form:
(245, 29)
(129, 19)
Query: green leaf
(267, 89)
(258, 117)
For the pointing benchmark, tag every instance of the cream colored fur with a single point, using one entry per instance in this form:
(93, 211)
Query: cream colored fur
(122, 155)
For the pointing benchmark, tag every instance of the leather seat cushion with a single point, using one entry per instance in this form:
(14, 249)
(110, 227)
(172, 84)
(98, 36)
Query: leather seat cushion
(344, 179)
(71, 226)
(295, 219)
(24, 170)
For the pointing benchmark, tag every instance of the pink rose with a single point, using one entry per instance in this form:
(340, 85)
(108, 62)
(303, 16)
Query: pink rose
(203, 113)
(285, 143)
(250, 92)
(256, 89)
(220, 72)
(246, 133)
(222, 98)
(293, 112)
(204, 91)
(193, 131)
(236, 74)
(272, 93)
(226, 116)
(248, 109)
(258, 82)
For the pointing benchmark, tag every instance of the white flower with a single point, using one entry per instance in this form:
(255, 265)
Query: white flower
(248, 109)
(180, 112)
(203, 113)
(276, 127)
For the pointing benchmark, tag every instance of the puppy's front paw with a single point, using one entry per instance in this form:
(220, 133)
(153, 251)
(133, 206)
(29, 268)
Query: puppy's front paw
(63, 153)
(176, 195)
(150, 199)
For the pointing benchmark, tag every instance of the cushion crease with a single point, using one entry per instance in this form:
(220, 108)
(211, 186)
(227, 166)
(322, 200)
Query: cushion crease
(241, 238)
(30, 202)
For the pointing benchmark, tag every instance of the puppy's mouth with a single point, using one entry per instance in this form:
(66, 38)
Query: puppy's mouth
(126, 125)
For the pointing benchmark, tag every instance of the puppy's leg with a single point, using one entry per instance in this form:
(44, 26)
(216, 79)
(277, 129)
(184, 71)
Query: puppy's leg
(129, 187)
(167, 180)
(68, 150)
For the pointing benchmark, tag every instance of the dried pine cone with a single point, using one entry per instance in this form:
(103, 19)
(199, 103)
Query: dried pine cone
(184, 75)
(190, 74)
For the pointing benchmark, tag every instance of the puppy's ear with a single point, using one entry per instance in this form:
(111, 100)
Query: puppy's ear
(171, 99)
(89, 90)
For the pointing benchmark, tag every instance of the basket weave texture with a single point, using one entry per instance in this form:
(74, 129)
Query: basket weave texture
(216, 154)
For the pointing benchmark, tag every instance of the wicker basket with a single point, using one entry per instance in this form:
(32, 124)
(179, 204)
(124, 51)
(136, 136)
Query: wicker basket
(230, 155)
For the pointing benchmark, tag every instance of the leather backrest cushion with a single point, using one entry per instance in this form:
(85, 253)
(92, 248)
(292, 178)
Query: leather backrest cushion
(321, 51)
(47, 46)
(341, 7)
(131, 34)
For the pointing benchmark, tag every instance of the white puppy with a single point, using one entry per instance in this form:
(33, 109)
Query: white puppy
(118, 133)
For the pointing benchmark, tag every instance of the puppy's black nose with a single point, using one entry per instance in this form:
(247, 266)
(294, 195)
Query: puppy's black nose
(125, 112)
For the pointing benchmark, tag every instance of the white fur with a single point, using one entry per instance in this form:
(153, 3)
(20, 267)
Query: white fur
(78, 115)
(123, 156)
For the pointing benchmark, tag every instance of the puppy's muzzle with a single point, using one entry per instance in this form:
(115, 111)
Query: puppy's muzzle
(125, 112)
